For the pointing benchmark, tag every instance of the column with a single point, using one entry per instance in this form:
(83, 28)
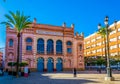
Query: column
(74, 58)
(54, 64)
(35, 63)
(54, 47)
(34, 51)
(45, 64)
(64, 53)
(45, 46)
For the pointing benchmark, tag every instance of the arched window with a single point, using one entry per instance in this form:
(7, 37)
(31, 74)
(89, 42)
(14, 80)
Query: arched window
(69, 47)
(50, 47)
(59, 60)
(11, 43)
(80, 47)
(40, 46)
(28, 40)
(50, 60)
(69, 43)
(29, 46)
(59, 47)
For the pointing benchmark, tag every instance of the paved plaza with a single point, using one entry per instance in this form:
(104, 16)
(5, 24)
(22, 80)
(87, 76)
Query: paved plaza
(83, 77)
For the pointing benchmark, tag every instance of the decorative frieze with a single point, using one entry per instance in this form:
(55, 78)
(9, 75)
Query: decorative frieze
(49, 33)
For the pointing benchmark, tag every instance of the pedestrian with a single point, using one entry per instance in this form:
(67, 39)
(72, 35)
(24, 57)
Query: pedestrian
(28, 71)
(74, 72)
(99, 69)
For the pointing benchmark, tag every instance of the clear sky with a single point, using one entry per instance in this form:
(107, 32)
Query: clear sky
(85, 14)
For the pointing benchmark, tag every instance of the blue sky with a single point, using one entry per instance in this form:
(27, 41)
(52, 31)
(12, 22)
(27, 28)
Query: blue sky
(85, 14)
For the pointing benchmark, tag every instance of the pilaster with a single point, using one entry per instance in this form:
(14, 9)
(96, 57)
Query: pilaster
(45, 46)
(55, 61)
(45, 64)
(54, 47)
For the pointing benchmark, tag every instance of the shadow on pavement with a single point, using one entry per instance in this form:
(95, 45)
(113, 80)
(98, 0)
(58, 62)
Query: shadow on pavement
(46, 78)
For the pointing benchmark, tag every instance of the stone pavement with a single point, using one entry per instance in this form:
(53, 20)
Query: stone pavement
(83, 77)
(5, 77)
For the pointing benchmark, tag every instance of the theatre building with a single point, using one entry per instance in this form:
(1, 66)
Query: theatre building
(47, 47)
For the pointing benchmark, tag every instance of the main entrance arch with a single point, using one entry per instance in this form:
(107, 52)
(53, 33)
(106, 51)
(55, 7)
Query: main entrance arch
(40, 64)
(50, 64)
(59, 64)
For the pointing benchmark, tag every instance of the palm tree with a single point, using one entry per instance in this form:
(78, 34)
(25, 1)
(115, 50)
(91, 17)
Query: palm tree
(102, 32)
(18, 21)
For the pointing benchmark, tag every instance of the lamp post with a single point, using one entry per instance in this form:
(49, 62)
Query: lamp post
(109, 73)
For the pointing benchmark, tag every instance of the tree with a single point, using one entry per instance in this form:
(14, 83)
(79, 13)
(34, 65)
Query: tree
(18, 21)
(11, 64)
(102, 32)
(116, 59)
(100, 61)
(23, 64)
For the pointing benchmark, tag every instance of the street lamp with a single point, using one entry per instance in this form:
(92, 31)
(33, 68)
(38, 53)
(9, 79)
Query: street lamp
(109, 73)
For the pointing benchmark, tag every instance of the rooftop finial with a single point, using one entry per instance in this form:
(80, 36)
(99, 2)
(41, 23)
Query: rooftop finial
(77, 34)
(82, 34)
(64, 24)
(34, 21)
(72, 25)
(7, 26)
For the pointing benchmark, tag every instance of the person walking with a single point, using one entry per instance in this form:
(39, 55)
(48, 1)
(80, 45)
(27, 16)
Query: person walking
(99, 69)
(74, 72)
(26, 71)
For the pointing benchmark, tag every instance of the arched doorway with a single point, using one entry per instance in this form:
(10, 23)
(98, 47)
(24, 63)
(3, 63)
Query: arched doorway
(40, 64)
(50, 64)
(59, 64)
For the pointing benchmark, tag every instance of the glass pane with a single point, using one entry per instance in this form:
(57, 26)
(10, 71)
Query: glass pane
(59, 47)
(40, 46)
(69, 50)
(10, 42)
(80, 47)
(69, 43)
(29, 48)
(28, 40)
(50, 47)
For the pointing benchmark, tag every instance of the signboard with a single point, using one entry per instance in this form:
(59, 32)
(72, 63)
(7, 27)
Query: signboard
(49, 32)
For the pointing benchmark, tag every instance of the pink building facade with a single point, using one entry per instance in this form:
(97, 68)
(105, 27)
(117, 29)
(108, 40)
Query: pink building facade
(1, 57)
(47, 47)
